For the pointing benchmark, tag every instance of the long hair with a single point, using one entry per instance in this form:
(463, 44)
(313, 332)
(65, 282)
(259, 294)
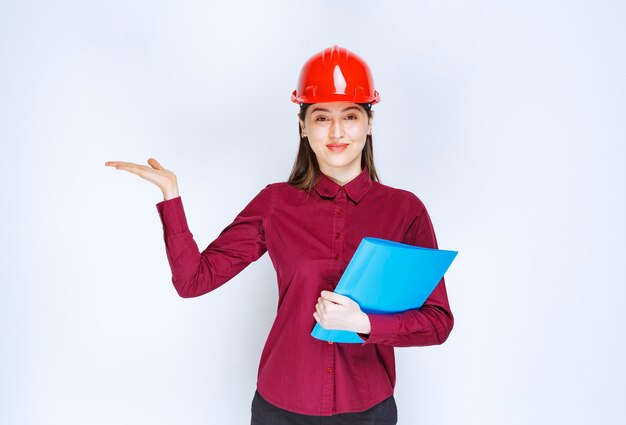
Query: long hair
(306, 170)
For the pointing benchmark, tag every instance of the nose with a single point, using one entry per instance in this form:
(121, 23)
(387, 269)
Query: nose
(336, 130)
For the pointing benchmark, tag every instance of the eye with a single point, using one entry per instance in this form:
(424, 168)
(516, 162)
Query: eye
(352, 117)
(320, 118)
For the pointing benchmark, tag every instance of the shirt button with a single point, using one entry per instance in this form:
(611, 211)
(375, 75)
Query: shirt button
(329, 370)
(336, 256)
(337, 235)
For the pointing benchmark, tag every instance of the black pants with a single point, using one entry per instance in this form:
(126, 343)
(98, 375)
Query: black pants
(264, 413)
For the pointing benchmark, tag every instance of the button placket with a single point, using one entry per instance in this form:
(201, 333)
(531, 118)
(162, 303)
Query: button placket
(336, 255)
(328, 381)
(339, 221)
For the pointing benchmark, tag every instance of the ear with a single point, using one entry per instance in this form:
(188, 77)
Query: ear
(302, 132)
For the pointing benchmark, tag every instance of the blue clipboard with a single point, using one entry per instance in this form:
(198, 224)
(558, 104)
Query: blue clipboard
(386, 277)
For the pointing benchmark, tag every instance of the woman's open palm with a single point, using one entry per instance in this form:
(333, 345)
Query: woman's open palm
(155, 173)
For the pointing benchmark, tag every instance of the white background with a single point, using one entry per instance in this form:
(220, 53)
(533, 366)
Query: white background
(506, 118)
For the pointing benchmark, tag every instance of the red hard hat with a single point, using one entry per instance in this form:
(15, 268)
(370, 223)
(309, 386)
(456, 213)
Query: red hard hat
(335, 74)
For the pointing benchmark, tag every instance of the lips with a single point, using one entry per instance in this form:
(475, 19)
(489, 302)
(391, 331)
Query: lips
(337, 147)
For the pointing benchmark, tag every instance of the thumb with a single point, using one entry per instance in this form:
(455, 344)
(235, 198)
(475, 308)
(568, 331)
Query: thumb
(155, 164)
(334, 297)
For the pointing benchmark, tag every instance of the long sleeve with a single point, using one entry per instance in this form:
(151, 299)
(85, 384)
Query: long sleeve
(196, 273)
(428, 325)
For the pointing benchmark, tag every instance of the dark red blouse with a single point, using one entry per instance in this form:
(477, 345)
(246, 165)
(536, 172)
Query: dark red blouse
(310, 238)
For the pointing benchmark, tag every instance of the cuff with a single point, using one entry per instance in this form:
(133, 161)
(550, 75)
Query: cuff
(172, 216)
(384, 327)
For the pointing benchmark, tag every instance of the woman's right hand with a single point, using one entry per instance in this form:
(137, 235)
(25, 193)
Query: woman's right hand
(163, 178)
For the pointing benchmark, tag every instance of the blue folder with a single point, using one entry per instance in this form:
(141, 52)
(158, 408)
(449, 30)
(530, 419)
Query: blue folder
(387, 277)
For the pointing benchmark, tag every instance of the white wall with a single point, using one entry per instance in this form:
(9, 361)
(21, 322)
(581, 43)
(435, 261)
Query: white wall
(505, 118)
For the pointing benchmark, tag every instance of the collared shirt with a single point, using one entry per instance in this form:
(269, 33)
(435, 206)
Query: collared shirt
(310, 237)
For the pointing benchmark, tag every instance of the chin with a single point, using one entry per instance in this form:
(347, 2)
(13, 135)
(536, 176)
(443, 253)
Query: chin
(339, 164)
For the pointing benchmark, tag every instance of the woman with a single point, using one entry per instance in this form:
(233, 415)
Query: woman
(311, 226)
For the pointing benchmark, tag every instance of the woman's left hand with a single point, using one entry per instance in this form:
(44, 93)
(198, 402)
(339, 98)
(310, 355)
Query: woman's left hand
(337, 312)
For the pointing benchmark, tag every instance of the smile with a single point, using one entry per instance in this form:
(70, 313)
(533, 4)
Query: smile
(337, 147)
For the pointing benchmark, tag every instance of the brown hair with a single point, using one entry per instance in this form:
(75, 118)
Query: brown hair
(306, 170)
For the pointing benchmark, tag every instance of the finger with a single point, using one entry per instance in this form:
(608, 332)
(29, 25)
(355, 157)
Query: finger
(127, 166)
(327, 295)
(328, 306)
(140, 170)
(334, 297)
(324, 303)
(118, 164)
(342, 299)
(155, 164)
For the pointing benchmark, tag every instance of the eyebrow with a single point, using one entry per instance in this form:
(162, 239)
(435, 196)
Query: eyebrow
(326, 110)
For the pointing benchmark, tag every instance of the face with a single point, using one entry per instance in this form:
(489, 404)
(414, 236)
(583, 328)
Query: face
(337, 132)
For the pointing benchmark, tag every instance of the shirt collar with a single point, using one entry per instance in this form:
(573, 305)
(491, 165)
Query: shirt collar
(355, 188)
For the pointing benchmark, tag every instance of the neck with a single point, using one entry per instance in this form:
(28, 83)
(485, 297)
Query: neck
(341, 176)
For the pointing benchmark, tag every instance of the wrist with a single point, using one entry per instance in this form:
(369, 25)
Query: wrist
(170, 192)
(365, 326)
